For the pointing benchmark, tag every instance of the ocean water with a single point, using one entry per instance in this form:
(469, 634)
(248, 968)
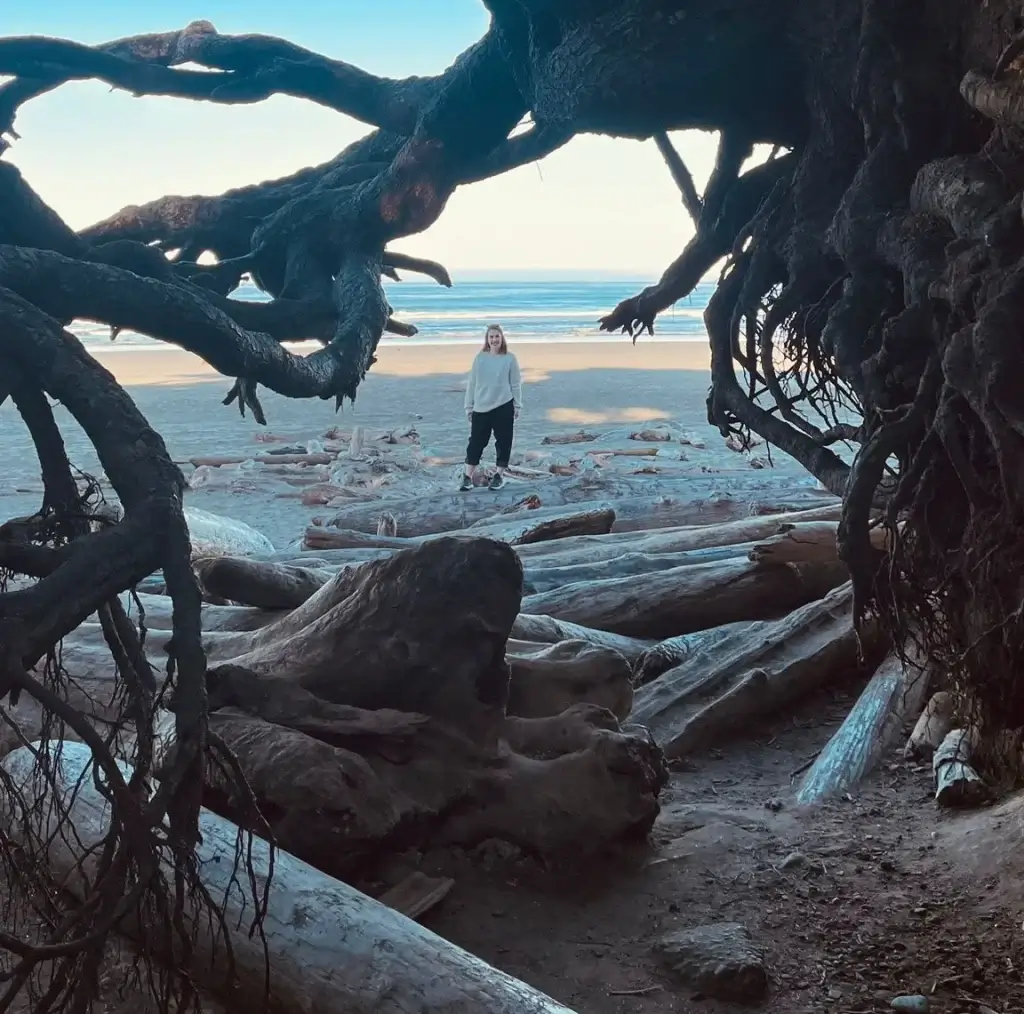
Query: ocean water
(529, 311)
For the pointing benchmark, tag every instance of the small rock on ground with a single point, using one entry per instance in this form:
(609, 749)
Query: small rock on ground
(911, 1004)
(719, 959)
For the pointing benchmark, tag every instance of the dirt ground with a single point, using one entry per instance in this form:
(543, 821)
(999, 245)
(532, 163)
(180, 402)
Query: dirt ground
(853, 903)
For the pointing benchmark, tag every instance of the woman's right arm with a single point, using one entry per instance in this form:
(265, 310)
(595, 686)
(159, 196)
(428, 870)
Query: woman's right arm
(471, 388)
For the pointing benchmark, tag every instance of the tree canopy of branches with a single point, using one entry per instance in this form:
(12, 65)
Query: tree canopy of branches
(873, 267)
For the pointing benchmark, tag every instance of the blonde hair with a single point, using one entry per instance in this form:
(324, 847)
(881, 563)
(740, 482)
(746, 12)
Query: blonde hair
(503, 348)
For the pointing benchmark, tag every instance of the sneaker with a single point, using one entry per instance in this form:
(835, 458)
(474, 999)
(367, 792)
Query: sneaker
(497, 481)
(466, 484)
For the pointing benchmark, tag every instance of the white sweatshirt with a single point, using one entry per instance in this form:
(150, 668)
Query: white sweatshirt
(493, 381)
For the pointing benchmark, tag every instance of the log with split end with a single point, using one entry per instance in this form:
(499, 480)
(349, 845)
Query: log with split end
(957, 783)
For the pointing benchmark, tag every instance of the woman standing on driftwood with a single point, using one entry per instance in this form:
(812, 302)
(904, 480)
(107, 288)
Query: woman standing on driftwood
(494, 397)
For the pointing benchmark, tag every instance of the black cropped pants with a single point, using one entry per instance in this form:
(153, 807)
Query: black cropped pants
(501, 422)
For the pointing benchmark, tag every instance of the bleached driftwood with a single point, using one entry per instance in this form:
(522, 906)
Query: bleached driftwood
(319, 458)
(579, 437)
(957, 784)
(214, 535)
(685, 599)
(217, 460)
(893, 695)
(331, 949)
(673, 651)
(653, 433)
(933, 726)
(546, 629)
(357, 443)
(749, 675)
(387, 525)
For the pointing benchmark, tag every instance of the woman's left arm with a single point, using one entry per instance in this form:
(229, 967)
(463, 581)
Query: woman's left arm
(516, 383)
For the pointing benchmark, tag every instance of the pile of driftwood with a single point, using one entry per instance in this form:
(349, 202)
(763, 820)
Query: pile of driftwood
(523, 676)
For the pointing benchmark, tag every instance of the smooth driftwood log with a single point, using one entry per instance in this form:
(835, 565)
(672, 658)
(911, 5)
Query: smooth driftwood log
(547, 682)
(933, 726)
(331, 949)
(638, 502)
(673, 651)
(546, 629)
(685, 599)
(749, 675)
(957, 784)
(893, 695)
(519, 529)
(258, 584)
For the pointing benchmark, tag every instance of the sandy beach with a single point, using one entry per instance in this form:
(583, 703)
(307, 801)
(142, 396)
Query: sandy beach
(598, 385)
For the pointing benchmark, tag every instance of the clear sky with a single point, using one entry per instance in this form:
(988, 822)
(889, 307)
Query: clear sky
(599, 204)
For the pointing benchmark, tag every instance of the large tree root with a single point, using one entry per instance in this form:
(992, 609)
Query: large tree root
(376, 716)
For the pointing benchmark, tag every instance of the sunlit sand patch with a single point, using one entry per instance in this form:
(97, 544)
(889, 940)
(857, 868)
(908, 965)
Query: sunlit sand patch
(583, 417)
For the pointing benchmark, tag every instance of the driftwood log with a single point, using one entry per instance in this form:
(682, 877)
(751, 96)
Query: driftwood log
(257, 583)
(750, 674)
(518, 529)
(957, 783)
(549, 681)
(805, 542)
(331, 949)
(684, 599)
(892, 697)
(675, 538)
(933, 726)
(673, 651)
(546, 629)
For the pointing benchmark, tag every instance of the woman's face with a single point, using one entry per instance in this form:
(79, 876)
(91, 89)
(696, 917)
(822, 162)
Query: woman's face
(494, 340)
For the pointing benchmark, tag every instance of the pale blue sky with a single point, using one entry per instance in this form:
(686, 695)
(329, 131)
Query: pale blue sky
(598, 204)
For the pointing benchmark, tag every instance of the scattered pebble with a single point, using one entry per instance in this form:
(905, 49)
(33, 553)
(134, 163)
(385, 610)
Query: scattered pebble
(915, 1004)
(793, 859)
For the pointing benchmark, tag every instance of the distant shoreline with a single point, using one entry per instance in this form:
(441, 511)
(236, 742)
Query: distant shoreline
(152, 345)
